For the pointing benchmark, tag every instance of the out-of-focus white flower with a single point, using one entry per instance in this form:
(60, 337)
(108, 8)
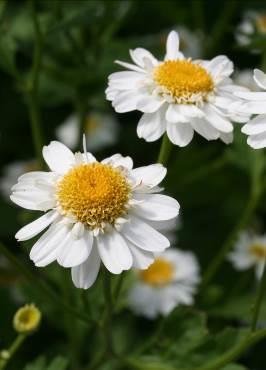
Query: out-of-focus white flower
(177, 95)
(249, 251)
(253, 24)
(101, 130)
(11, 173)
(255, 103)
(95, 211)
(171, 280)
(245, 78)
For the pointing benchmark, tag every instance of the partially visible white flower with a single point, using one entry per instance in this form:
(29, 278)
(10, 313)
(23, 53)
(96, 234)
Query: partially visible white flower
(95, 211)
(101, 130)
(177, 95)
(11, 173)
(255, 103)
(249, 251)
(253, 24)
(245, 78)
(171, 280)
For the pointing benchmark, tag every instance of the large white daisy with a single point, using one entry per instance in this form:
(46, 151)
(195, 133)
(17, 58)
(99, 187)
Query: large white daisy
(171, 280)
(255, 103)
(177, 95)
(95, 211)
(249, 251)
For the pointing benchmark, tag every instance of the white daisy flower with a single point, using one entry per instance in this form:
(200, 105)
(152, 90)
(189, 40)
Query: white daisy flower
(95, 211)
(177, 95)
(171, 280)
(101, 131)
(11, 173)
(255, 103)
(249, 251)
(253, 24)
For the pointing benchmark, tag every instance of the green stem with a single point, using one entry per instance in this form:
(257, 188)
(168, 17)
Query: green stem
(165, 150)
(258, 301)
(225, 359)
(108, 311)
(32, 89)
(13, 349)
(118, 287)
(42, 285)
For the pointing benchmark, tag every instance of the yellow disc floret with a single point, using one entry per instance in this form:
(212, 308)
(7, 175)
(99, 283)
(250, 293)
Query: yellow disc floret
(160, 272)
(95, 194)
(258, 250)
(27, 319)
(183, 80)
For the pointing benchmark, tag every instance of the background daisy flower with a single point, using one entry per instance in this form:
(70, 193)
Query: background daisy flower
(255, 103)
(101, 131)
(95, 211)
(177, 95)
(249, 251)
(171, 280)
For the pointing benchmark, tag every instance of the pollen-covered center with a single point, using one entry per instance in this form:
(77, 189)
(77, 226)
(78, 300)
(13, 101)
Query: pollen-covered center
(95, 194)
(160, 272)
(183, 80)
(259, 250)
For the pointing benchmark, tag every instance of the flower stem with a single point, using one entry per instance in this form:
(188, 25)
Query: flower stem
(165, 150)
(12, 350)
(32, 89)
(258, 301)
(108, 311)
(42, 285)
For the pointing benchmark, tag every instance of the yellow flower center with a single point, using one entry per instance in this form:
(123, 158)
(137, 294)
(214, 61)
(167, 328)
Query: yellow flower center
(183, 80)
(95, 194)
(160, 272)
(27, 319)
(259, 250)
(261, 23)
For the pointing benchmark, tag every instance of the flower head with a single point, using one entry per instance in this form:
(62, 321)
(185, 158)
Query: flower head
(255, 103)
(95, 211)
(27, 319)
(101, 131)
(249, 251)
(177, 95)
(171, 280)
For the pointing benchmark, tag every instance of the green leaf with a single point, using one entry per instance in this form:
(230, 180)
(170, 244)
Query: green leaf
(59, 363)
(38, 364)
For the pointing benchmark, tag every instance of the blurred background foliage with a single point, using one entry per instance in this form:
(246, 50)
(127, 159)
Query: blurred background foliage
(214, 183)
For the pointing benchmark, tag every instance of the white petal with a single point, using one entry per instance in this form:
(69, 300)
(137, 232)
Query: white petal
(126, 101)
(36, 201)
(256, 126)
(180, 134)
(125, 80)
(118, 160)
(141, 259)
(227, 138)
(129, 66)
(151, 126)
(253, 107)
(174, 115)
(114, 252)
(220, 67)
(205, 129)
(172, 47)
(260, 78)
(216, 120)
(257, 141)
(144, 236)
(35, 227)
(75, 251)
(252, 95)
(157, 207)
(45, 250)
(149, 104)
(150, 175)
(84, 275)
(58, 157)
(140, 56)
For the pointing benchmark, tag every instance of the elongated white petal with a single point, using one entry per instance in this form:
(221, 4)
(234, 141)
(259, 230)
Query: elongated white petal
(216, 120)
(140, 56)
(149, 104)
(84, 275)
(256, 126)
(126, 101)
(58, 157)
(252, 96)
(130, 66)
(141, 259)
(180, 134)
(172, 47)
(260, 78)
(174, 115)
(149, 175)
(156, 207)
(257, 141)
(204, 128)
(35, 227)
(144, 236)
(151, 126)
(118, 160)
